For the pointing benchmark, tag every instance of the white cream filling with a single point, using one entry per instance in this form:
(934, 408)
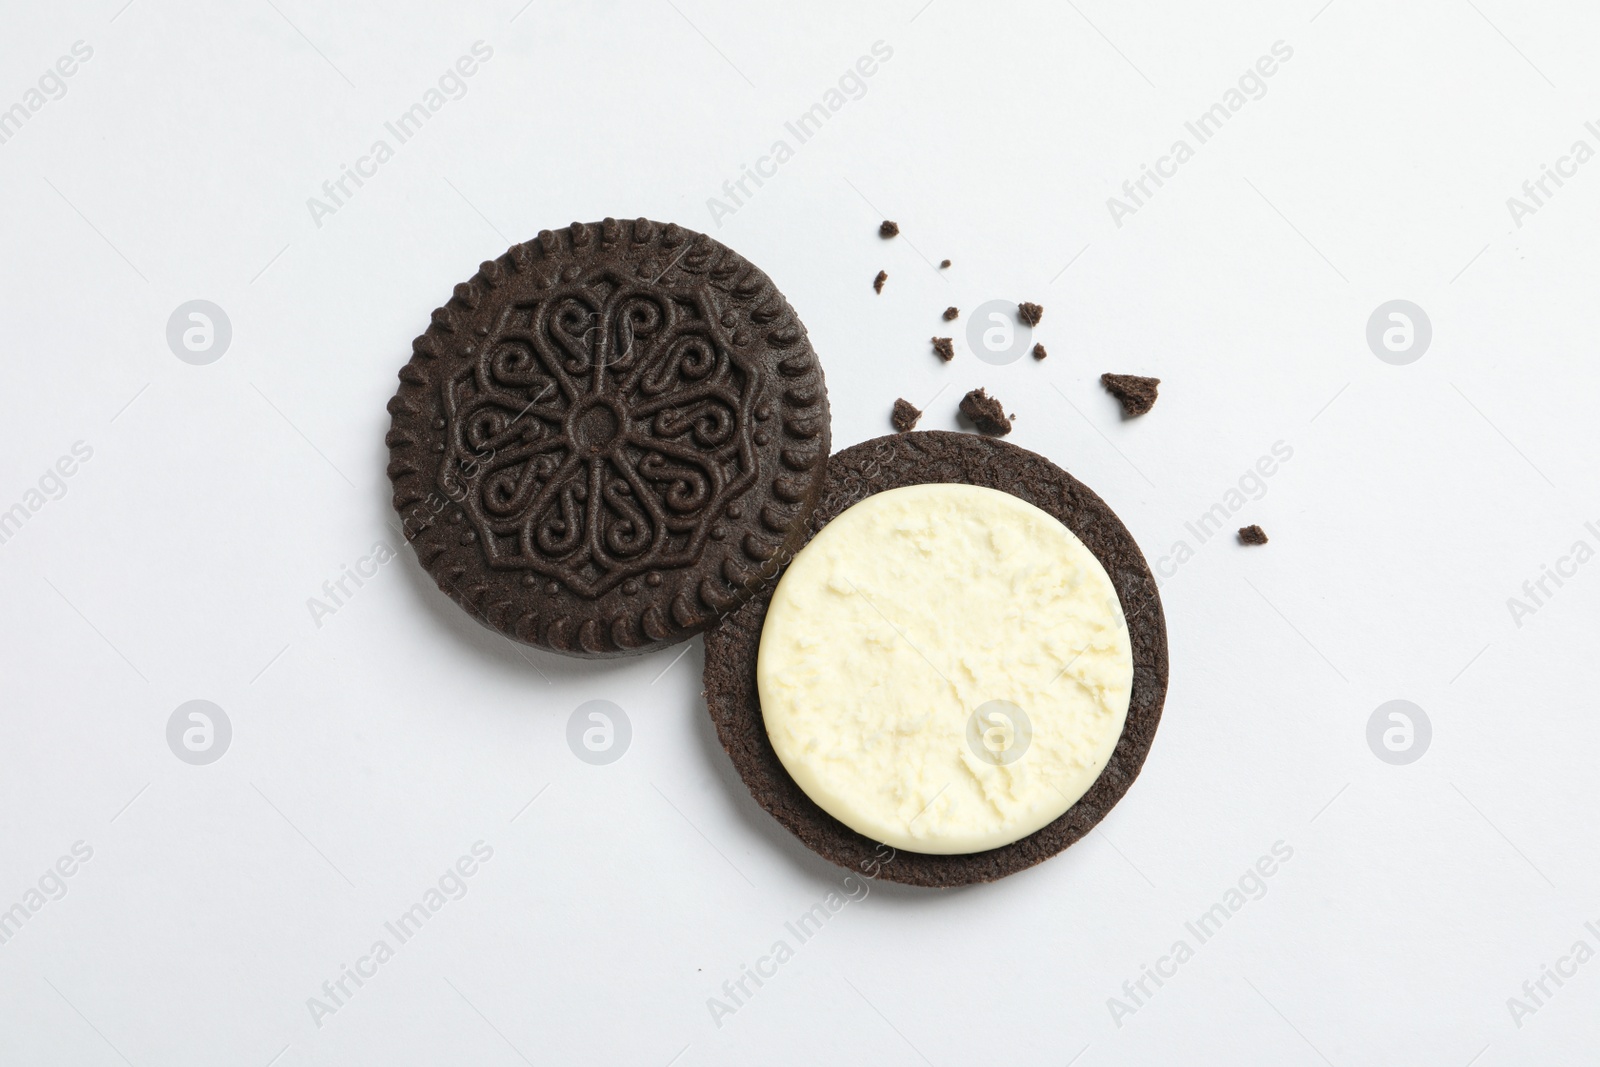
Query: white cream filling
(945, 668)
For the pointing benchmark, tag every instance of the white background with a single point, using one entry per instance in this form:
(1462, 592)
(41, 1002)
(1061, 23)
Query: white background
(370, 752)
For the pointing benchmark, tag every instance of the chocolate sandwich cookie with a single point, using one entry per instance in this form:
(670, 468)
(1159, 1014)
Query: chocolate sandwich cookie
(606, 437)
(916, 459)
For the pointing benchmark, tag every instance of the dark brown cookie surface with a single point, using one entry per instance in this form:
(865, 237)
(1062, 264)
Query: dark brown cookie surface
(915, 459)
(604, 434)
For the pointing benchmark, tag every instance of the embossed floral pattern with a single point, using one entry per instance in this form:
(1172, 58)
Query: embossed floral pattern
(598, 432)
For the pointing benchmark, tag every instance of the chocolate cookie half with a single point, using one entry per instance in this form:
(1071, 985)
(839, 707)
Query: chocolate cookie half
(606, 436)
(919, 458)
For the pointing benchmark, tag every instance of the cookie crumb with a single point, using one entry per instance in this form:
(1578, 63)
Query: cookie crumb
(877, 283)
(943, 264)
(1138, 395)
(986, 413)
(1038, 351)
(1030, 313)
(944, 348)
(905, 416)
(950, 313)
(1252, 535)
(889, 229)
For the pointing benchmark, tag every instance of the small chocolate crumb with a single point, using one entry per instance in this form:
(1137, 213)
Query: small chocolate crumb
(889, 229)
(1030, 313)
(944, 348)
(1038, 351)
(877, 283)
(950, 313)
(986, 413)
(943, 264)
(905, 416)
(1138, 395)
(1252, 535)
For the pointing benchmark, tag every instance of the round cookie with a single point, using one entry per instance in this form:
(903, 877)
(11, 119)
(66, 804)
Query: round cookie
(913, 459)
(607, 436)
